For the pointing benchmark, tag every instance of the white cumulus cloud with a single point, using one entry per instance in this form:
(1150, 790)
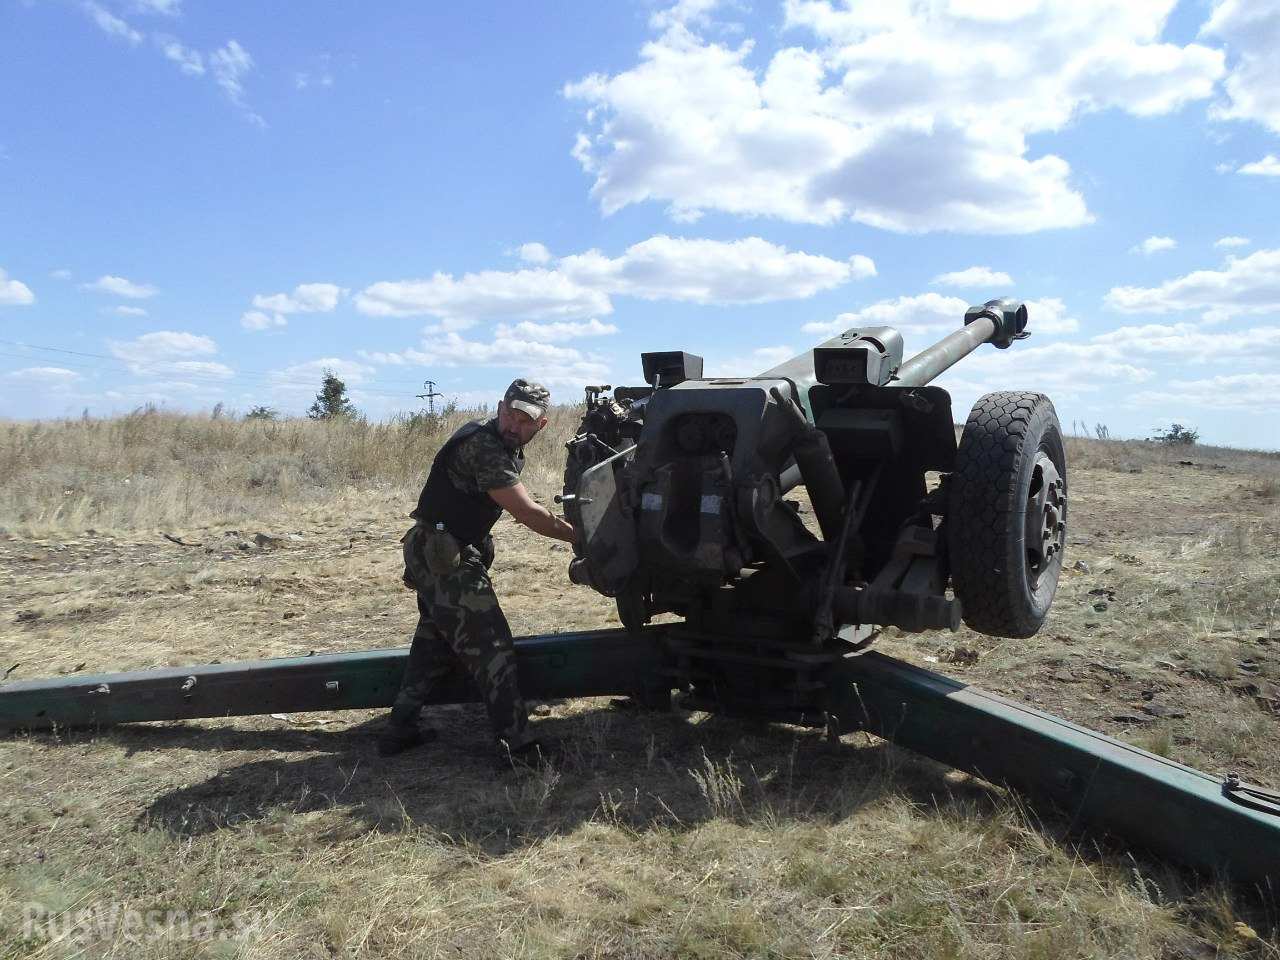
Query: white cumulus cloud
(974, 277)
(556, 332)
(552, 364)
(683, 12)
(923, 314)
(1268, 166)
(1048, 315)
(1244, 285)
(579, 287)
(1194, 340)
(535, 253)
(1066, 370)
(307, 377)
(204, 368)
(1251, 31)
(929, 316)
(1153, 245)
(1070, 372)
(162, 349)
(271, 310)
(257, 320)
(120, 287)
(14, 293)
(750, 270)
(1248, 392)
(488, 295)
(905, 116)
(861, 266)
(123, 311)
(306, 298)
(1231, 242)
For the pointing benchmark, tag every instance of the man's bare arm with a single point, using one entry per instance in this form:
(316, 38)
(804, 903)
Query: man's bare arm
(517, 502)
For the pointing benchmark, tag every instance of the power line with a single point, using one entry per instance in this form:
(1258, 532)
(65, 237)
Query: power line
(245, 379)
(118, 359)
(237, 381)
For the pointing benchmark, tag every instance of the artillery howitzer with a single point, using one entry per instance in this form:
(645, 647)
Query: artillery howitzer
(679, 492)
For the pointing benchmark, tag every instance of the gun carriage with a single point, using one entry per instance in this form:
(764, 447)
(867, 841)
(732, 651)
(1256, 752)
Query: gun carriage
(679, 490)
(685, 495)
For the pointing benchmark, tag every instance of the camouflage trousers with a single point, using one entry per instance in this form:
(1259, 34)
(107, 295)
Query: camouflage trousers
(461, 626)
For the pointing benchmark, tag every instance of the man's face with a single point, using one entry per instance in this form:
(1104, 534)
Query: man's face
(516, 426)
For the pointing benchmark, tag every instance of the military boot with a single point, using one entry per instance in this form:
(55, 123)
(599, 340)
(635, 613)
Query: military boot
(395, 740)
(403, 733)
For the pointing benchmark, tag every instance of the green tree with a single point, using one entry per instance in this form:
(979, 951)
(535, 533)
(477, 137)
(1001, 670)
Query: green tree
(332, 400)
(262, 413)
(1176, 435)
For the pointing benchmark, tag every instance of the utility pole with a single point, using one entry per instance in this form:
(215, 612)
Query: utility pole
(429, 386)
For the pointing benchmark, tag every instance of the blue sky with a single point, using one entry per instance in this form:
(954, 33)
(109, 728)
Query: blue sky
(208, 202)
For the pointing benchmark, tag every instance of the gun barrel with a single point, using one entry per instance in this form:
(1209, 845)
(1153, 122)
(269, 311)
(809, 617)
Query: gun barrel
(800, 371)
(932, 361)
(996, 321)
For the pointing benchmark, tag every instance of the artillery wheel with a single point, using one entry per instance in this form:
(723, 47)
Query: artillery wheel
(1007, 513)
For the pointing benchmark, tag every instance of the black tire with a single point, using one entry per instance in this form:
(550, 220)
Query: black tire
(1005, 558)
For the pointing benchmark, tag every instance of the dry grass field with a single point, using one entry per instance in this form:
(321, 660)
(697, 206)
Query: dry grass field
(658, 835)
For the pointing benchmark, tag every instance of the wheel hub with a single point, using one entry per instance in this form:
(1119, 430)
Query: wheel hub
(1046, 514)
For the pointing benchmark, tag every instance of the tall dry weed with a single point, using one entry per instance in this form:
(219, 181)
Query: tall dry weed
(1133, 456)
(152, 469)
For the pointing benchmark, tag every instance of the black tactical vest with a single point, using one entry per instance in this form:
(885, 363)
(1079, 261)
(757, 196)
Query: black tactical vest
(468, 516)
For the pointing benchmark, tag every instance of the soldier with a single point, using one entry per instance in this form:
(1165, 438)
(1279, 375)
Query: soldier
(447, 553)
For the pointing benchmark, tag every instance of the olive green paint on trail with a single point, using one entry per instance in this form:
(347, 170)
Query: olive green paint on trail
(1174, 811)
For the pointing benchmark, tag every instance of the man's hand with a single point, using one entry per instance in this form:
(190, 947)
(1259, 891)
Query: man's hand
(517, 502)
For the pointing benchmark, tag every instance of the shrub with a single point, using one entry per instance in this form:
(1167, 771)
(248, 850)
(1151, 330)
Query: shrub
(1176, 435)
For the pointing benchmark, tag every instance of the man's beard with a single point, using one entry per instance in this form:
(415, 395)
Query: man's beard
(511, 439)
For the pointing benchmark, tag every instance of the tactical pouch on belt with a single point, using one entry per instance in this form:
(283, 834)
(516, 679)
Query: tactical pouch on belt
(440, 551)
(428, 553)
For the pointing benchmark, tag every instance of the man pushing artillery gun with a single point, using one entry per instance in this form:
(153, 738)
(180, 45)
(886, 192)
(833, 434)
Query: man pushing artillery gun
(447, 553)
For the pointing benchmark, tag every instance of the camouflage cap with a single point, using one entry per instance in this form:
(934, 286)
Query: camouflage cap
(530, 397)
